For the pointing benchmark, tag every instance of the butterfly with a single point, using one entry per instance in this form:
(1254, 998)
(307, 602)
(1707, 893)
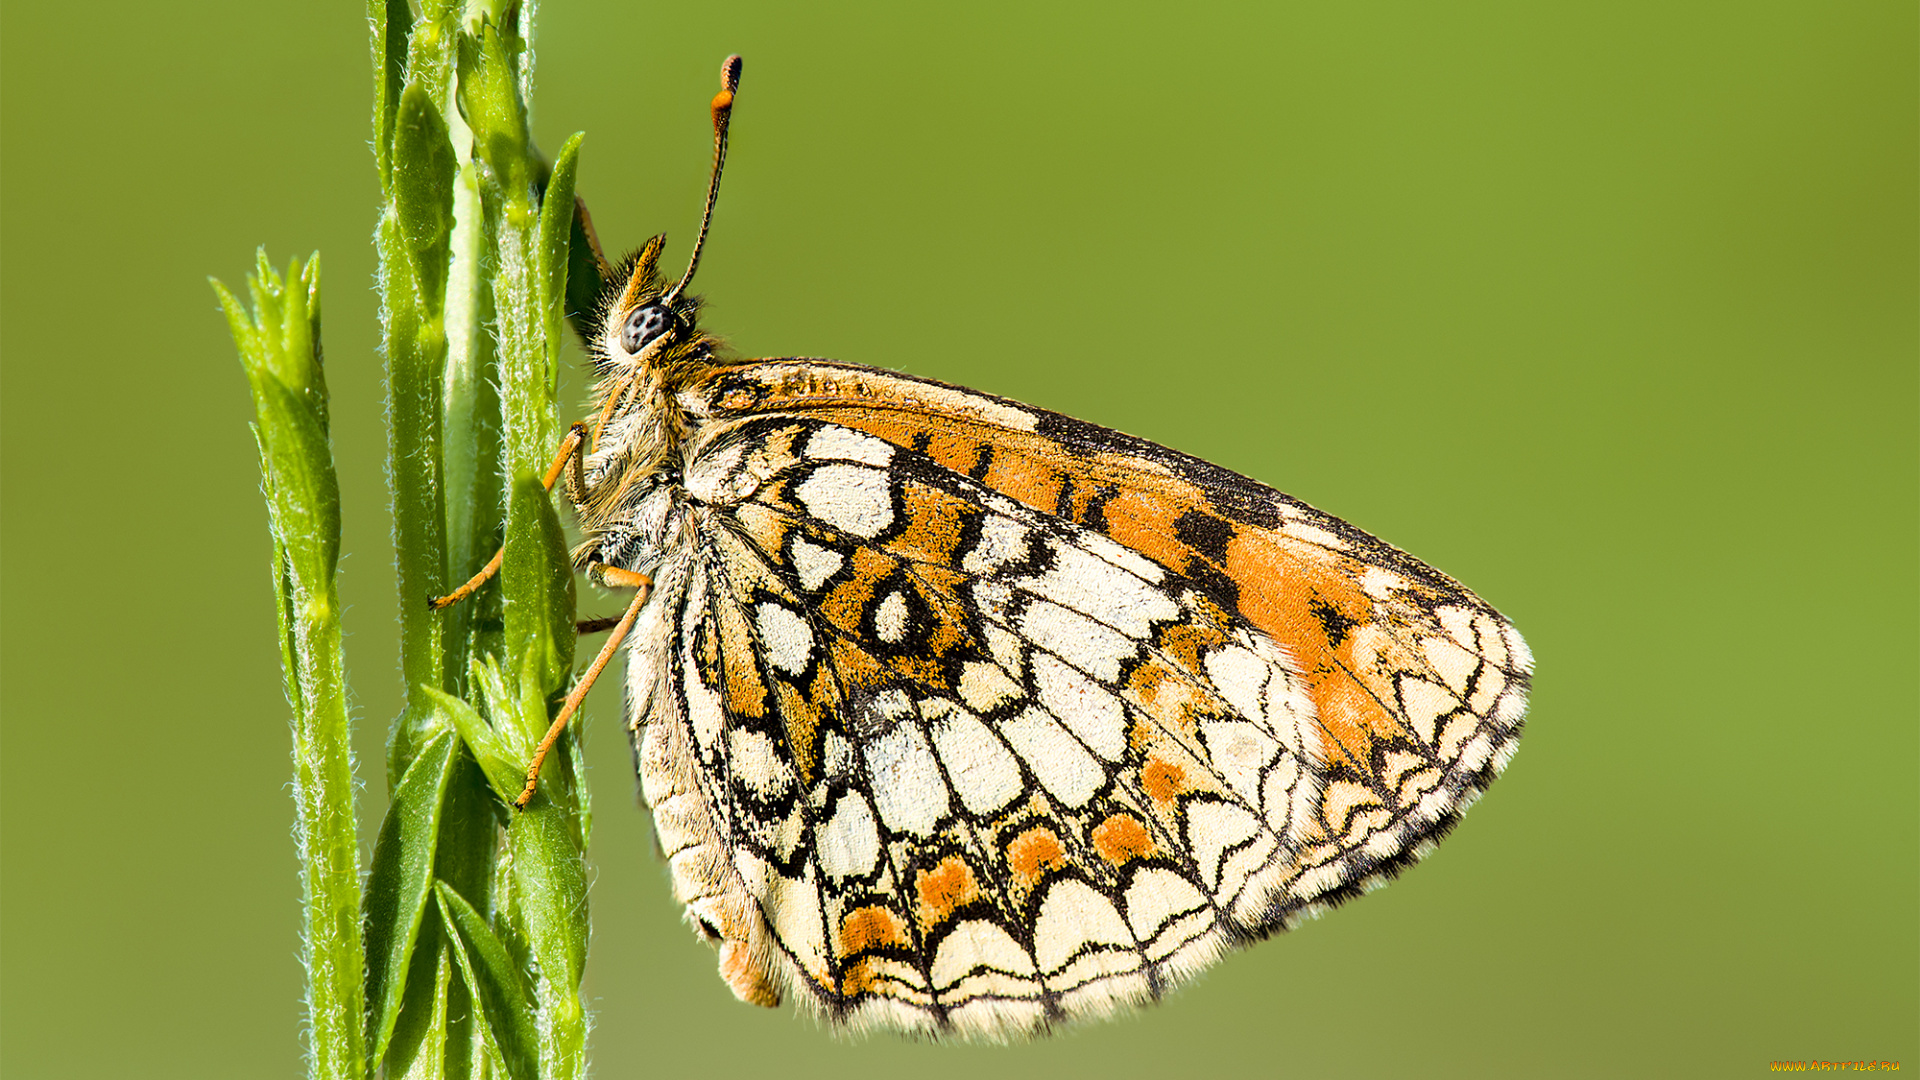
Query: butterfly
(967, 719)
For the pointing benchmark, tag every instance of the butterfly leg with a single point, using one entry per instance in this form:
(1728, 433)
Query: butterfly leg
(620, 579)
(569, 457)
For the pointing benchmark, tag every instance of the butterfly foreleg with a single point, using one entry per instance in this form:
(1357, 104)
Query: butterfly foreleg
(613, 577)
(570, 458)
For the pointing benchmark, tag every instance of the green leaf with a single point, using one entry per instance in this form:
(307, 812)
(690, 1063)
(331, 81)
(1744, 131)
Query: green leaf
(423, 172)
(391, 22)
(495, 754)
(419, 1048)
(416, 356)
(303, 491)
(585, 274)
(550, 877)
(494, 111)
(536, 581)
(400, 882)
(475, 488)
(557, 213)
(548, 863)
(505, 1000)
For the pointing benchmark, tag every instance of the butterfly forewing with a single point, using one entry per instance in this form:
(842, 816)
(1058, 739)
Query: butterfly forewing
(963, 717)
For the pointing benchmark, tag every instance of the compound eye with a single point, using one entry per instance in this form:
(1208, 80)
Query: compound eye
(643, 326)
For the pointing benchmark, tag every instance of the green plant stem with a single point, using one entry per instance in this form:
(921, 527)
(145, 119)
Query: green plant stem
(280, 350)
(483, 969)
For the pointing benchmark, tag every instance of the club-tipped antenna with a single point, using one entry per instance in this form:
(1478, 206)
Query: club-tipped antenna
(722, 115)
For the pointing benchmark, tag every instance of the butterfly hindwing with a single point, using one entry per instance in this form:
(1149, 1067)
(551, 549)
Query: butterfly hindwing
(962, 717)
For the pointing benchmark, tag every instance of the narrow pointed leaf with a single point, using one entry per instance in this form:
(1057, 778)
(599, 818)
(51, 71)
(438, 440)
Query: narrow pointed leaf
(423, 172)
(401, 881)
(548, 863)
(585, 273)
(391, 22)
(505, 1000)
(496, 113)
(556, 243)
(537, 583)
(493, 753)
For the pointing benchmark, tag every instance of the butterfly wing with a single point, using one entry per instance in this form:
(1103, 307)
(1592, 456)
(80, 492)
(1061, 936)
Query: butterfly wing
(966, 718)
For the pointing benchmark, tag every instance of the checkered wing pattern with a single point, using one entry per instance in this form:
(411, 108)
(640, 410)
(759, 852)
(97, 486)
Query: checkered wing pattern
(965, 718)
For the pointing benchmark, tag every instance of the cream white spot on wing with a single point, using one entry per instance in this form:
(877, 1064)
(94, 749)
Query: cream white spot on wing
(1396, 765)
(1343, 800)
(889, 707)
(792, 905)
(1289, 795)
(703, 706)
(1157, 897)
(991, 595)
(1088, 709)
(1060, 763)
(1071, 917)
(786, 636)
(976, 944)
(1425, 702)
(1123, 557)
(849, 843)
(1313, 534)
(1007, 649)
(848, 497)
(1096, 587)
(1452, 663)
(1240, 752)
(1002, 540)
(984, 687)
(1487, 690)
(1458, 622)
(907, 788)
(890, 618)
(752, 759)
(1455, 733)
(815, 564)
(1212, 828)
(842, 444)
(839, 756)
(984, 773)
(1240, 676)
(1381, 584)
(1094, 648)
(1493, 646)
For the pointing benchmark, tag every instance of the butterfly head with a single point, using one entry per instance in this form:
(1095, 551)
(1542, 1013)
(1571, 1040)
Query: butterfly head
(645, 323)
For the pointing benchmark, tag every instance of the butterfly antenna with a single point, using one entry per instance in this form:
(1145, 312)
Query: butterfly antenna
(722, 115)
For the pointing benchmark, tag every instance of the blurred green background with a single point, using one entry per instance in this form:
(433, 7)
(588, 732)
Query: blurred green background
(1607, 310)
